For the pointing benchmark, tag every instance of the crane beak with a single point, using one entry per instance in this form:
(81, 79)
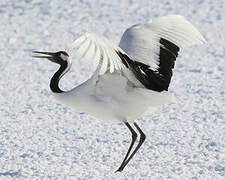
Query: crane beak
(49, 55)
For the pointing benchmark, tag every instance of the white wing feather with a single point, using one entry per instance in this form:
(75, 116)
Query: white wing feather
(142, 41)
(103, 52)
(91, 50)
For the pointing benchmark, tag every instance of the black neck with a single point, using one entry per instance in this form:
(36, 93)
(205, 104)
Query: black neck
(54, 84)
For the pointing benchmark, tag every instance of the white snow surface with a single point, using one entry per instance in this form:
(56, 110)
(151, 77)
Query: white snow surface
(43, 139)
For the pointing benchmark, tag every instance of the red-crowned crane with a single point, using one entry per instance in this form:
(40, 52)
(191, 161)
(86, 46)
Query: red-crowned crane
(130, 80)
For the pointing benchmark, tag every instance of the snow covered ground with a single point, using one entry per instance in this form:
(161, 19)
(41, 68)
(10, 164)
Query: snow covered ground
(43, 139)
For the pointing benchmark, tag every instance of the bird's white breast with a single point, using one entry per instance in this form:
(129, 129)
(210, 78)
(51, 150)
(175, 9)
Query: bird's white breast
(112, 98)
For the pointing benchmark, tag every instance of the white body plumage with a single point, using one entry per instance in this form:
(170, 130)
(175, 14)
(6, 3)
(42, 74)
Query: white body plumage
(113, 98)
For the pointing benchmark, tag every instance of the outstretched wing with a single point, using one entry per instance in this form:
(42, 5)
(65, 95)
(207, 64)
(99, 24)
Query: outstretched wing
(147, 52)
(154, 47)
(101, 51)
(143, 41)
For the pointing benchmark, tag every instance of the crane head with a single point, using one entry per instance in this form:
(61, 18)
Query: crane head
(59, 57)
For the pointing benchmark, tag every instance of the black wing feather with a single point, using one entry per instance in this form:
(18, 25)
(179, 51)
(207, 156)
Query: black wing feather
(158, 80)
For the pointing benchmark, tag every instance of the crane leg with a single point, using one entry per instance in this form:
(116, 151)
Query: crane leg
(134, 137)
(142, 139)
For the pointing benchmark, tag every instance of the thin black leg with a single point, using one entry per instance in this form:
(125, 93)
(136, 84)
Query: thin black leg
(134, 137)
(142, 139)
